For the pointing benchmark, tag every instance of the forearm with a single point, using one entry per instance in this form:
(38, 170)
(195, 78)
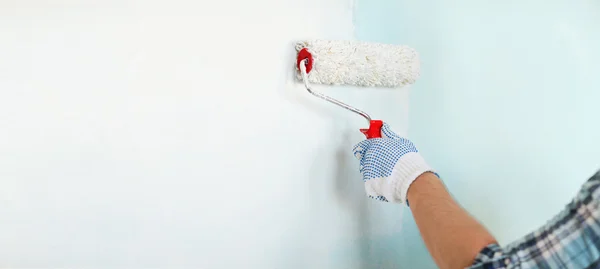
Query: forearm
(453, 237)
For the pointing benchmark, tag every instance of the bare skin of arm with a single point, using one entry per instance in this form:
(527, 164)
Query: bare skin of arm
(452, 236)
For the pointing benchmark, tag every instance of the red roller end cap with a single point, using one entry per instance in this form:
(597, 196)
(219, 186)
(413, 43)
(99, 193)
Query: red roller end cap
(304, 55)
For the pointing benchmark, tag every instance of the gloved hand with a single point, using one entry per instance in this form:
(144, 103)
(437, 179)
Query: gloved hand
(389, 165)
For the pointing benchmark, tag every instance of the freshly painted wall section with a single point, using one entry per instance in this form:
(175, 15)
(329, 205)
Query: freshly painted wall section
(167, 134)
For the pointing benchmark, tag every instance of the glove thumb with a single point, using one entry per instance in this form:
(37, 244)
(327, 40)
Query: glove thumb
(360, 148)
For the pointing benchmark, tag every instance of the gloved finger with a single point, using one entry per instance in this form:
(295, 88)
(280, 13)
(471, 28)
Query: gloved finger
(378, 198)
(360, 148)
(386, 132)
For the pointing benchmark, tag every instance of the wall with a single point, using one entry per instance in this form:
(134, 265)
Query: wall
(172, 134)
(506, 107)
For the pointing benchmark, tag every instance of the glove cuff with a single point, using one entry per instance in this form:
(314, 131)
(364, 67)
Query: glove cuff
(407, 169)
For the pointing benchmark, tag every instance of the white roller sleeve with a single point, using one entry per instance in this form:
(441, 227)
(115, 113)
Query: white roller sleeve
(361, 63)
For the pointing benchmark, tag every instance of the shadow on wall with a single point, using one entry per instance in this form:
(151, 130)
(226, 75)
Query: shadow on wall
(351, 195)
(342, 196)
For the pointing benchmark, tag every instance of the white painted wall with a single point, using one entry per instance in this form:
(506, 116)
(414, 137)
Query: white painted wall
(172, 134)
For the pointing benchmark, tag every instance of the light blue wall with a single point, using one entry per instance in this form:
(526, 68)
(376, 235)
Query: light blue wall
(506, 108)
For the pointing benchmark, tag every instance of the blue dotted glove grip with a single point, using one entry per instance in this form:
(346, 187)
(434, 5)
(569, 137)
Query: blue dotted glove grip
(379, 160)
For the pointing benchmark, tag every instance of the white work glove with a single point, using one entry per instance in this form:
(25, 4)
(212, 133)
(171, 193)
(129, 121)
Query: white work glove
(389, 165)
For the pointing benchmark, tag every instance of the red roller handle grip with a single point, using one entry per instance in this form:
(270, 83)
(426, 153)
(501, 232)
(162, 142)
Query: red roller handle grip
(374, 130)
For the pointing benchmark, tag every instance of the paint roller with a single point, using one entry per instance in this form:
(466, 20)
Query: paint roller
(356, 63)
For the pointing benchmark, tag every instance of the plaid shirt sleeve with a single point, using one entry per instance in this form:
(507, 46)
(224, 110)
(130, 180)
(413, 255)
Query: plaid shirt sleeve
(570, 240)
